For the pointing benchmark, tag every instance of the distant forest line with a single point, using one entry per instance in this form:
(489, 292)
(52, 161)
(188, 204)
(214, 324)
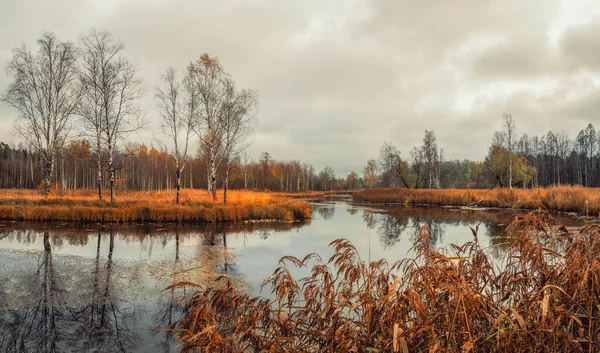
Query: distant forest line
(148, 168)
(538, 161)
(513, 160)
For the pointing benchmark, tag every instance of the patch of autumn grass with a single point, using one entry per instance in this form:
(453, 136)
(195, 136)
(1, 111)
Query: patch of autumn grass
(561, 198)
(140, 206)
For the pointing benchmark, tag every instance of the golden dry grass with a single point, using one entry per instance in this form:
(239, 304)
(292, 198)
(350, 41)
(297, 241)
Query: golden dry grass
(140, 206)
(563, 198)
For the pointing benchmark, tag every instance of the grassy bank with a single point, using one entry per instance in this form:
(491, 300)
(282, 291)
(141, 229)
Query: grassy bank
(143, 207)
(563, 198)
(545, 297)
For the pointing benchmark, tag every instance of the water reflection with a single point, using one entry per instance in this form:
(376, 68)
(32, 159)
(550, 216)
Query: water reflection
(392, 224)
(65, 289)
(97, 301)
(48, 319)
(106, 322)
(326, 212)
(215, 251)
(168, 311)
(40, 326)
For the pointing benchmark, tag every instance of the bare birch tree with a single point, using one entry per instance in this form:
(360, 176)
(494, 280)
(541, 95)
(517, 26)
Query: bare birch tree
(45, 95)
(236, 123)
(591, 144)
(177, 105)
(118, 88)
(552, 145)
(90, 110)
(207, 75)
(564, 147)
(430, 155)
(510, 132)
(388, 163)
(265, 160)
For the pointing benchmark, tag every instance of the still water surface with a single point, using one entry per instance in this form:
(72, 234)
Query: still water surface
(90, 290)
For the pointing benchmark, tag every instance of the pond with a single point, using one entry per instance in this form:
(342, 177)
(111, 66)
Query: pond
(65, 289)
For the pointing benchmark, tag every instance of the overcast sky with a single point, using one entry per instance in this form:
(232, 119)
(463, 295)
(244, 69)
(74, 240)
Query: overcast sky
(337, 78)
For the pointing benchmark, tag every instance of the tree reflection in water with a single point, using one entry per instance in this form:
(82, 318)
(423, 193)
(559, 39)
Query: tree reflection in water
(326, 212)
(168, 311)
(394, 223)
(370, 219)
(352, 210)
(42, 324)
(214, 249)
(49, 319)
(390, 229)
(106, 323)
(213, 260)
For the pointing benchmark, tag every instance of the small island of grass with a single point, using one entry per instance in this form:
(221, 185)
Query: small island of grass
(196, 206)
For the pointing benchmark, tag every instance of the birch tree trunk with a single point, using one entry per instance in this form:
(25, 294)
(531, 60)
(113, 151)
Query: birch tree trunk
(99, 172)
(178, 186)
(213, 176)
(226, 183)
(510, 165)
(111, 171)
(48, 172)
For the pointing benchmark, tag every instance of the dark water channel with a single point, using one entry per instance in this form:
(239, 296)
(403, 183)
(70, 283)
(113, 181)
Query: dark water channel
(99, 290)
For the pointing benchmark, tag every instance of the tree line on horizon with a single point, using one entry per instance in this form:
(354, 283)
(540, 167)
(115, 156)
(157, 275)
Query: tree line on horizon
(151, 169)
(521, 161)
(551, 159)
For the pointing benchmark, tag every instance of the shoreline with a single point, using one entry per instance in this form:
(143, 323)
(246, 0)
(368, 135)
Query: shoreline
(463, 208)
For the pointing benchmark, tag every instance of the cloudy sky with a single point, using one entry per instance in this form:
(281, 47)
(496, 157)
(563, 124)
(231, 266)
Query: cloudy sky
(336, 78)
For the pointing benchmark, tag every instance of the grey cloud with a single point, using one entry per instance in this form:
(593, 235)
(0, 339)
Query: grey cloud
(522, 57)
(581, 47)
(518, 59)
(433, 28)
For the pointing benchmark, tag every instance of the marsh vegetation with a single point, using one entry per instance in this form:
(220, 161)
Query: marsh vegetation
(543, 295)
